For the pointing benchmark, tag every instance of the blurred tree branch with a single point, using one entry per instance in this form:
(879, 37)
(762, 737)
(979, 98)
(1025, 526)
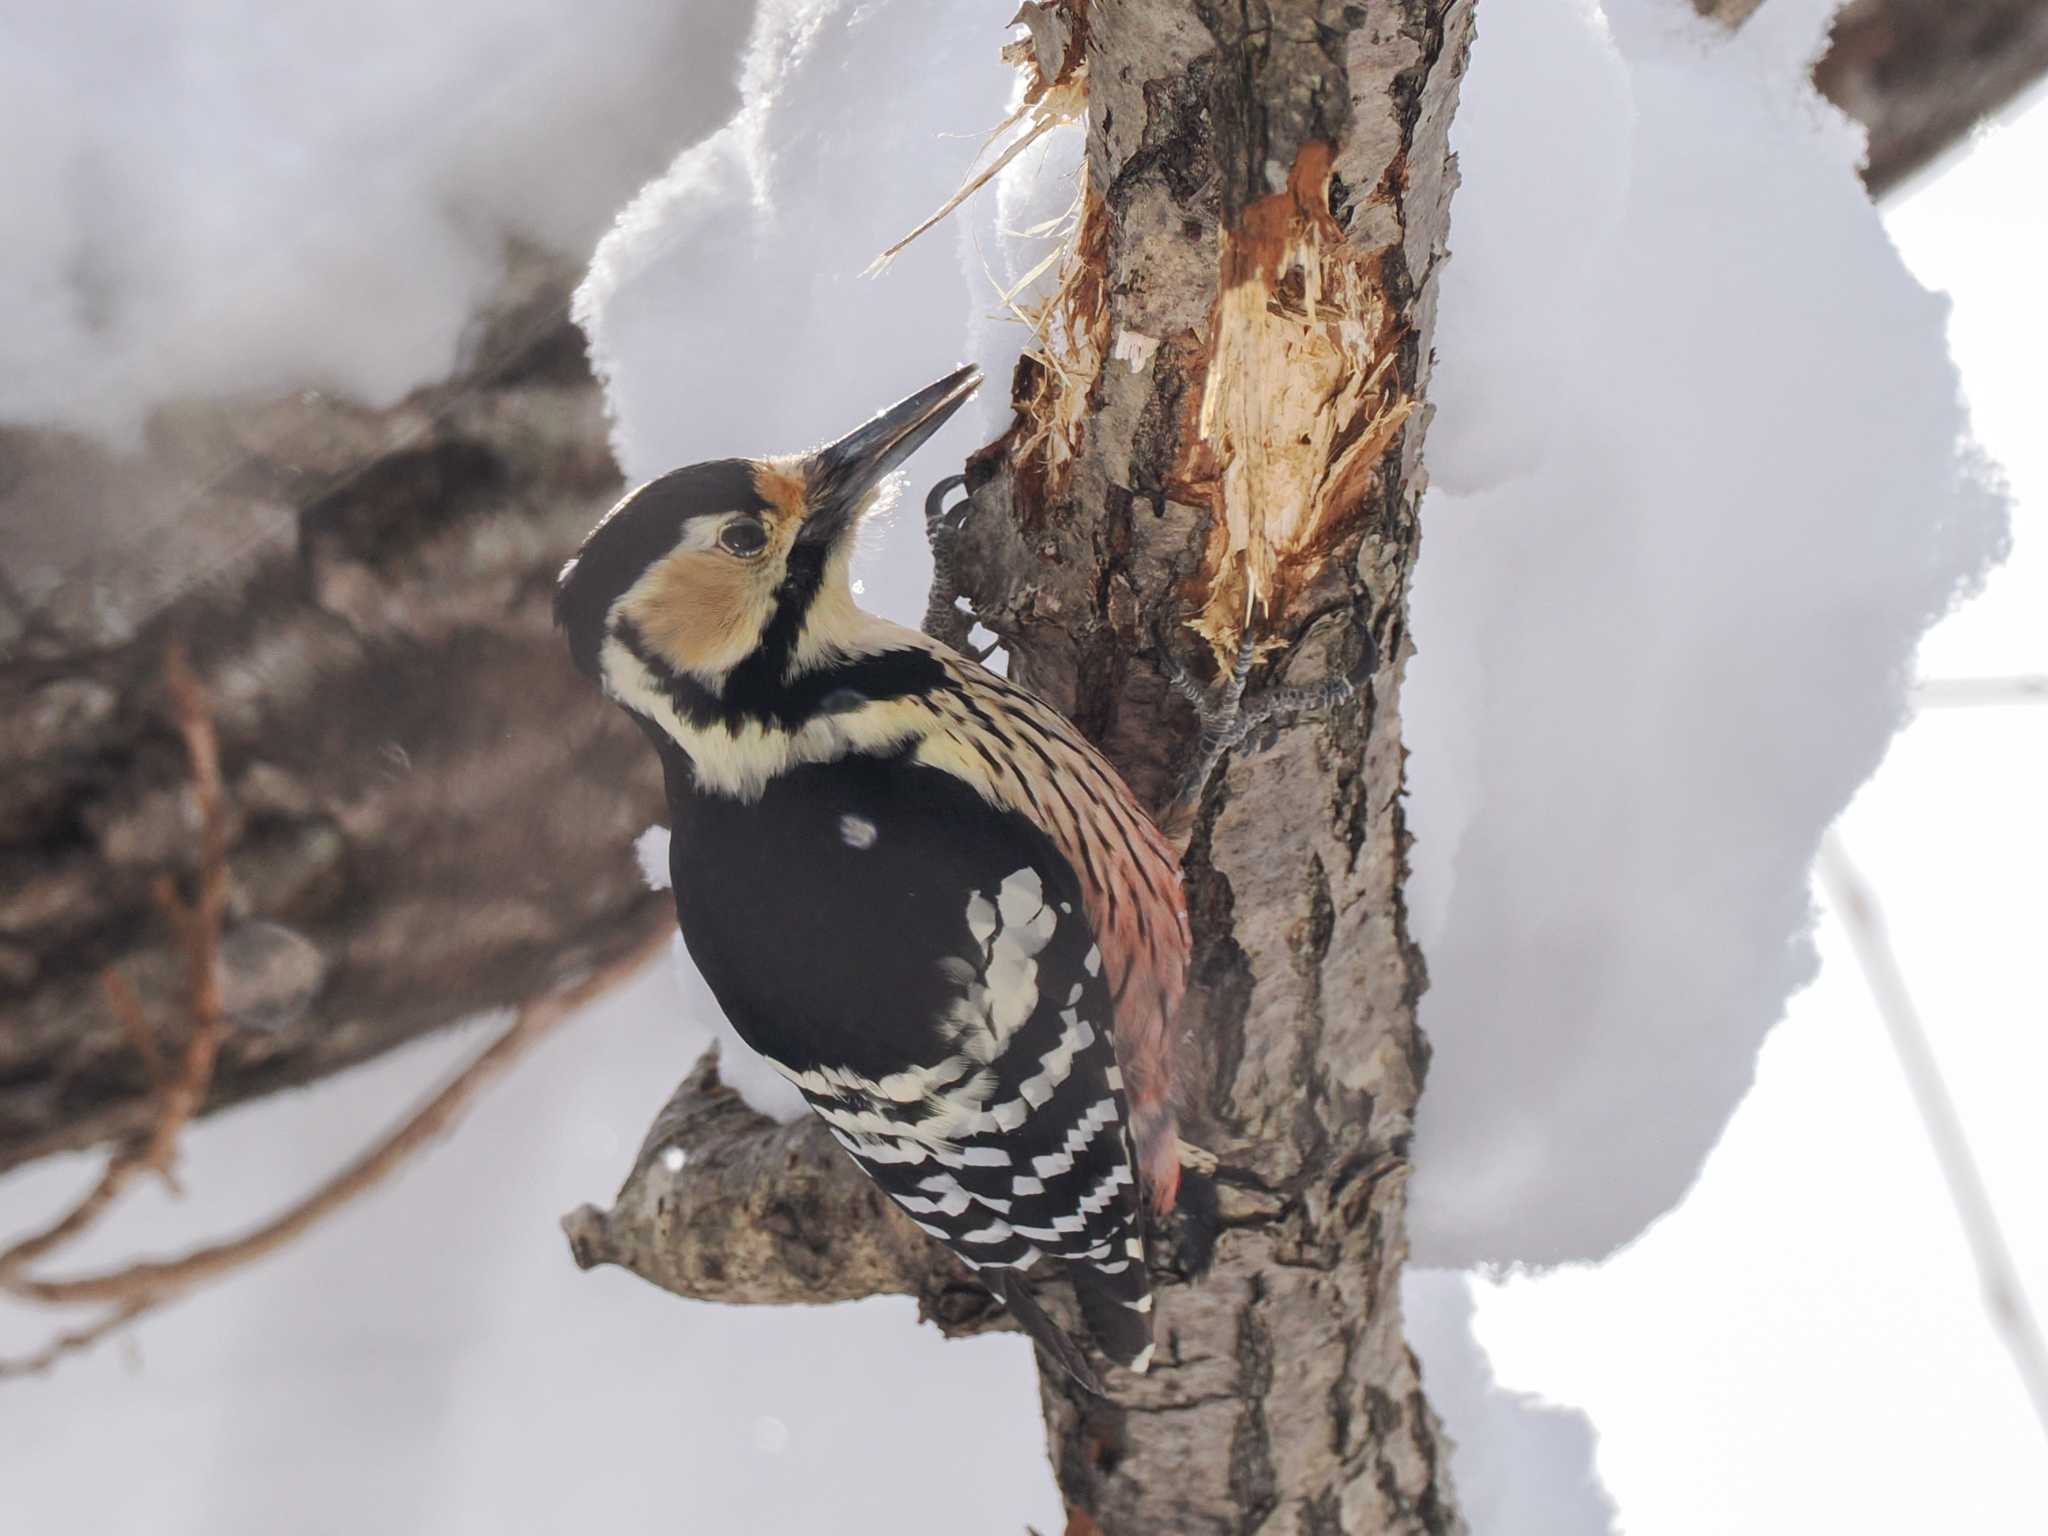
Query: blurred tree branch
(198, 925)
(1921, 74)
(133, 1290)
(427, 814)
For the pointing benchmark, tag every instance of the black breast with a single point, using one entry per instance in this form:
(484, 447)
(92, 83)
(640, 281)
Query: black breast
(821, 915)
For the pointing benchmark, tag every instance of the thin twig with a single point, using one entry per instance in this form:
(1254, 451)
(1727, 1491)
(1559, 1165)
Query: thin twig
(126, 1008)
(2004, 1295)
(199, 929)
(974, 183)
(157, 1280)
(121, 1167)
(1955, 692)
(74, 1342)
(198, 924)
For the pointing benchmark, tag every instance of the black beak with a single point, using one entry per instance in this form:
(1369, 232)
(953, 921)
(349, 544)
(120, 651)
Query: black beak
(841, 475)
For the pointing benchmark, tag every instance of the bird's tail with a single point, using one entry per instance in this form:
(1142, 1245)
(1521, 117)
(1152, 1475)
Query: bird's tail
(1118, 1309)
(1016, 1295)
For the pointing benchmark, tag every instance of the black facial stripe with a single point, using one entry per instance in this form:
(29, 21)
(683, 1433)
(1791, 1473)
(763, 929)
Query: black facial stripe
(760, 675)
(690, 698)
(788, 705)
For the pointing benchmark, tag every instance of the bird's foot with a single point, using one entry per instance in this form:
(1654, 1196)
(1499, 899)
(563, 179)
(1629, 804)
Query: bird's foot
(1189, 1232)
(946, 617)
(1227, 718)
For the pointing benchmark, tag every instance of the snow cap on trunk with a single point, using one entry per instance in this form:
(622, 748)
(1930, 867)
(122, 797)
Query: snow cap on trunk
(1702, 478)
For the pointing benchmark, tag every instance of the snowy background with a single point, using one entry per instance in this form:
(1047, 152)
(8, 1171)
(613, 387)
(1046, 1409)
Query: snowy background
(210, 196)
(1702, 476)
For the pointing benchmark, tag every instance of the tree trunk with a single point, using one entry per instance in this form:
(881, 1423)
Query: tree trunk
(1266, 210)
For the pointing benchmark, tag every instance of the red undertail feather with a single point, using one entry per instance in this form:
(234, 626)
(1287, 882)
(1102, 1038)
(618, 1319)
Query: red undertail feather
(1144, 938)
(1131, 882)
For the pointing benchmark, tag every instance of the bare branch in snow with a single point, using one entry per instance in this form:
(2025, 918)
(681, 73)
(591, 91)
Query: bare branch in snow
(1964, 692)
(2005, 1294)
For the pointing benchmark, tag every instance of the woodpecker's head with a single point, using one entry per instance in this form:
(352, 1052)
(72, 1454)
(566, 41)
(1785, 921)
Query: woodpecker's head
(706, 568)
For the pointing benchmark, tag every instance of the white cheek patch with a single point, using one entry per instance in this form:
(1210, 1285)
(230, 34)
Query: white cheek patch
(857, 832)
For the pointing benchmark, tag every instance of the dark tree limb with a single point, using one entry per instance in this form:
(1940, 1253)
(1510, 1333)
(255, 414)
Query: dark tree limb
(133, 1290)
(428, 810)
(1920, 74)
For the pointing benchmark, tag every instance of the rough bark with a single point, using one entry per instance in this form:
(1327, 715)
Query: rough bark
(428, 811)
(1920, 74)
(1258, 168)
(723, 1204)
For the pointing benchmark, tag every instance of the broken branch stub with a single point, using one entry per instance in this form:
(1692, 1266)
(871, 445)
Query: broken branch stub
(724, 1204)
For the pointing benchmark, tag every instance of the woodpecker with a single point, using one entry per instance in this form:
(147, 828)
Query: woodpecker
(913, 887)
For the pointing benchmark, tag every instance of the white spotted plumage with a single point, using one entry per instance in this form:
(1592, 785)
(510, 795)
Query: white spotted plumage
(940, 1138)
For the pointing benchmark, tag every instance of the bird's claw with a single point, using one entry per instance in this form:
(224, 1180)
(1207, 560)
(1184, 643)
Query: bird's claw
(945, 619)
(1228, 719)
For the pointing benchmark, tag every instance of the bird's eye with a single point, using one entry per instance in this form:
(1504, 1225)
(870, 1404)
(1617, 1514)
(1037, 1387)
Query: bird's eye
(743, 536)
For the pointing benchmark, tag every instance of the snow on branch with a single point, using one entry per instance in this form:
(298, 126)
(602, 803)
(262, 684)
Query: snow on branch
(130, 266)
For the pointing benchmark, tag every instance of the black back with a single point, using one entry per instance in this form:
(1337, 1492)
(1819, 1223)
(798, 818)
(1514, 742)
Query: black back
(825, 954)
